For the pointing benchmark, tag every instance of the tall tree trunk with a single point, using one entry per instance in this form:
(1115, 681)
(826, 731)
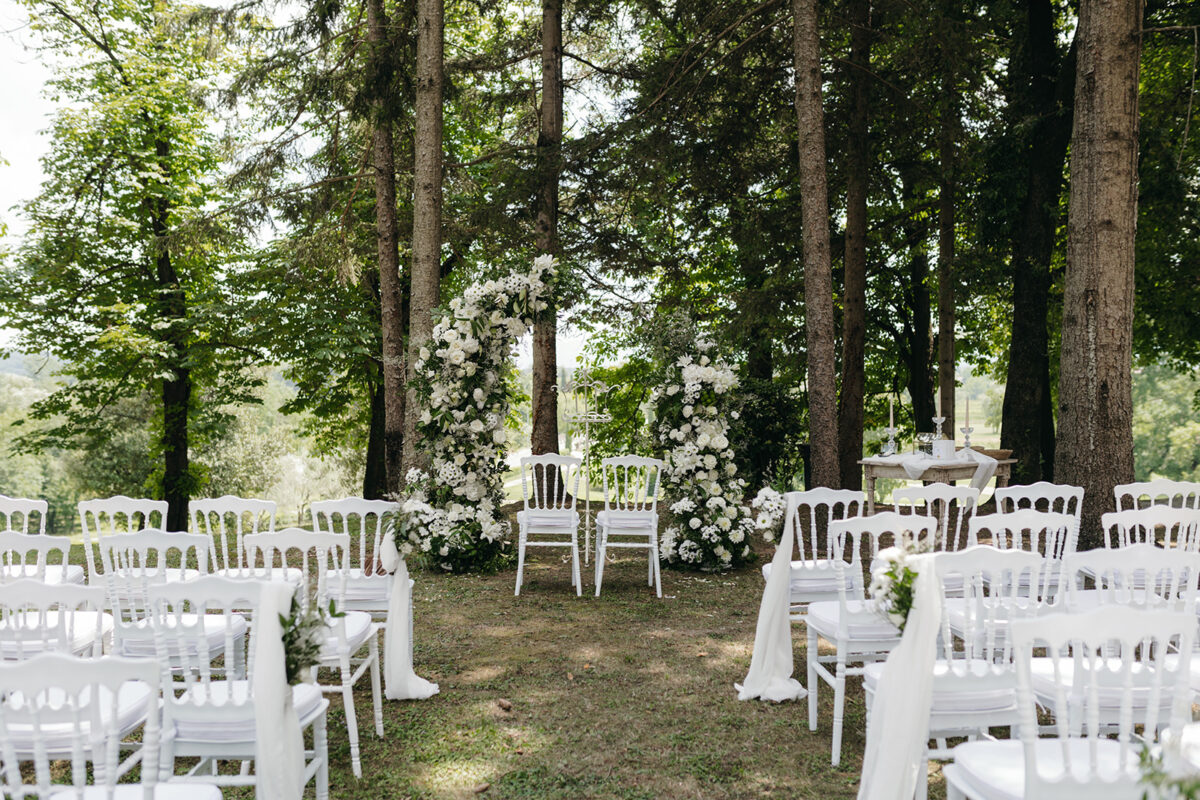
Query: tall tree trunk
(176, 390)
(917, 347)
(374, 485)
(854, 292)
(818, 278)
(1044, 98)
(391, 290)
(427, 201)
(1095, 432)
(544, 437)
(947, 136)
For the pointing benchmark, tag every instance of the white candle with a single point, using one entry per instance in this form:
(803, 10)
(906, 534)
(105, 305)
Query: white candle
(937, 404)
(891, 420)
(967, 424)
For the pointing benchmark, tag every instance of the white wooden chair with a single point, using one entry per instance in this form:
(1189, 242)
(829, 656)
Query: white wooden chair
(17, 511)
(60, 708)
(630, 515)
(1165, 526)
(136, 562)
(1106, 653)
(814, 575)
(1179, 494)
(975, 682)
(549, 486)
(368, 587)
(857, 632)
(119, 514)
(38, 556)
(208, 714)
(950, 505)
(321, 559)
(1041, 496)
(37, 617)
(1050, 534)
(219, 517)
(1138, 574)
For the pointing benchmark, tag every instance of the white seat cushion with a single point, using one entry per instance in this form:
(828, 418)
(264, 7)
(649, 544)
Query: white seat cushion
(55, 574)
(996, 770)
(1110, 689)
(863, 624)
(638, 520)
(133, 703)
(362, 588)
(558, 520)
(129, 791)
(950, 696)
(84, 627)
(199, 716)
(138, 639)
(359, 628)
(812, 577)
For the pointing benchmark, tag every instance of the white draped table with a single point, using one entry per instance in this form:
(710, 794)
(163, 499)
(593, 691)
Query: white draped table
(969, 465)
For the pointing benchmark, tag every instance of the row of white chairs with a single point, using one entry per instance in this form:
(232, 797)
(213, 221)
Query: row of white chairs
(65, 701)
(139, 562)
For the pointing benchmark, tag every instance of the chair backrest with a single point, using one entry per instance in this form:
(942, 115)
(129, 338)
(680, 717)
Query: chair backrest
(1140, 575)
(988, 586)
(360, 519)
(1160, 491)
(631, 483)
(550, 482)
(1040, 496)
(33, 555)
(119, 514)
(187, 652)
(1049, 533)
(316, 554)
(134, 562)
(16, 511)
(1102, 651)
(950, 505)
(57, 707)
(887, 527)
(820, 507)
(37, 618)
(218, 517)
(1166, 526)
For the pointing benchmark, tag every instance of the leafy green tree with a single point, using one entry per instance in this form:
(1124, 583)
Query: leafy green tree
(121, 275)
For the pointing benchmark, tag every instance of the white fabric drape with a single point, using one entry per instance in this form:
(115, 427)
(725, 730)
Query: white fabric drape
(899, 724)
(279, 755)
(915, 464)
(401, 680)
(771, 664)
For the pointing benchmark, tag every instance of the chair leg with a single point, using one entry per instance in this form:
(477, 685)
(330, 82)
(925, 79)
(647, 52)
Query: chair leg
(520, 561)
(601, 542)
(376, 686)
(351, 716)
(922, 792)
(839, 705)
(575, 574)
(810, 658)
(657, 565)
(321, 752)
(650, 565)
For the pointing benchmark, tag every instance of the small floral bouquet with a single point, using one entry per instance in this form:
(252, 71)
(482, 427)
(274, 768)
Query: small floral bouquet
(893, 584)
(1165, 774)
(304, 634)
(771, 507)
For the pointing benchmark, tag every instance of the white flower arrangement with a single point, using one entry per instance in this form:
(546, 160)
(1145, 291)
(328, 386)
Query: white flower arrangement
(893, 584)
(709, 523)
(771, 507)
(451, 509)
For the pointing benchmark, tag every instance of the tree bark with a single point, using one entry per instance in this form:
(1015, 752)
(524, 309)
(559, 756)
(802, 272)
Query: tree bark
(1095, 433)
(854, 291)
(948, 135)
(544, 437)
(818, 278)
(1045, 89)
(177, 390)
(391, 290)
(917, 345)
(427, 202)
(374, 485)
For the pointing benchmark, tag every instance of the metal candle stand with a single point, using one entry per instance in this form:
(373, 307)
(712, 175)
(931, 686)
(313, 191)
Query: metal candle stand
(591, 390)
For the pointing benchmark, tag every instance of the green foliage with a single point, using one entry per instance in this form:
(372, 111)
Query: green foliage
(1166, 433)
(305, 629)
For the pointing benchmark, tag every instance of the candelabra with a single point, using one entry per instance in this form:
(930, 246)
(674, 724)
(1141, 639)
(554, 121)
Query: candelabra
(583, 415)
(966, 432)
(937, 421)
(889, 449)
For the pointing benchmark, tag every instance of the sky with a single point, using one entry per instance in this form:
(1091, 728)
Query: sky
(24, 118)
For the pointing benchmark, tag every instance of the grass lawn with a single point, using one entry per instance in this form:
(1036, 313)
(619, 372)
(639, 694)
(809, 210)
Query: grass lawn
(624, 696)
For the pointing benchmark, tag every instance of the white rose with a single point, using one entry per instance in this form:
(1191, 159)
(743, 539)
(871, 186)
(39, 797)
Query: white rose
(694, 523)
(499, 436)
(687, 411)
